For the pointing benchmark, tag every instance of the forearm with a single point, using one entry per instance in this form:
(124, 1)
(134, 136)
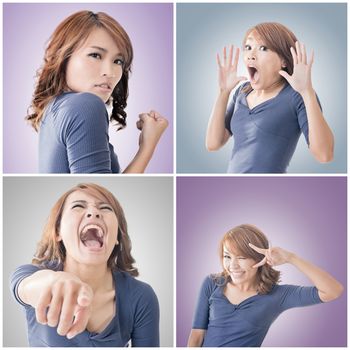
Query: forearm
(320, 135)
(196, 338)
(30, 288)
(328, 287)
(217, 135)
(140, 161)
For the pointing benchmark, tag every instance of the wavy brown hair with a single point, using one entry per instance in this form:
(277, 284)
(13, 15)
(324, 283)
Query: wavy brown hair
(68, 36)
(52, 252)
(238, 239)
(277, 38)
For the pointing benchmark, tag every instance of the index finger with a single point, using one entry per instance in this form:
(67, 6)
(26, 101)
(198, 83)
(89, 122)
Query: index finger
(85, 296)
(257, 249)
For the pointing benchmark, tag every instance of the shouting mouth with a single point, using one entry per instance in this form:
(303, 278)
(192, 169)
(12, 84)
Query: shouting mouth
(253, 74)
(92, 236)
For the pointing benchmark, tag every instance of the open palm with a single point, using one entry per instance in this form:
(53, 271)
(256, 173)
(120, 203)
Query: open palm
(228, 78)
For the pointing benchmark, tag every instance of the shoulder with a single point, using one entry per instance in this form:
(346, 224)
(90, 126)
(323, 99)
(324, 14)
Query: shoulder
(212, 282)
(73, 104)
(137, 290)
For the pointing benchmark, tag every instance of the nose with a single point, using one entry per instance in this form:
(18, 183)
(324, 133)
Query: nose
(251, 55)
(108, 70)
(93, 212)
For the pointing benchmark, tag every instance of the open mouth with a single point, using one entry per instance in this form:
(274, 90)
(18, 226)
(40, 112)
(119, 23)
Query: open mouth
(104, 86)
(92, 236)
(253, 74)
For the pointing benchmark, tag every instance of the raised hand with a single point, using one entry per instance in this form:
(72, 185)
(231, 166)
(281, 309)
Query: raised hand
(300, 80)
(152, 126)
(228, 78)
(272, 256)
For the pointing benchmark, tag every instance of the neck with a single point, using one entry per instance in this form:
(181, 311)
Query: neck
(249, 286)
(98, 277)
(272, 89)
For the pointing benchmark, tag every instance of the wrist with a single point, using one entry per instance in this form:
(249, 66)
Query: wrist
(292, 258)
(307, 93)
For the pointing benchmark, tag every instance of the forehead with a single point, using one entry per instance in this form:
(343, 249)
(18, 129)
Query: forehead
(99, 37)
(231, 249)
(87, 196)
(253, 36)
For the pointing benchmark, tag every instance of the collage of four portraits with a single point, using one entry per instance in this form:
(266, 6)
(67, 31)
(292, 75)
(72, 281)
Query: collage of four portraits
(174, 174)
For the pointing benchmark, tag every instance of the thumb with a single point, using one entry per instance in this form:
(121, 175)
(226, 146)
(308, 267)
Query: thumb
(285, 75)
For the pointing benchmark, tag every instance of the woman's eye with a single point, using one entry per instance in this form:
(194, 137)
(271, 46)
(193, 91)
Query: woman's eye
(227, 257)
(106, 208)
(241, 258)
(263, 48)
(77, 206)
(119, 61)
(95, 55)
(247, 47)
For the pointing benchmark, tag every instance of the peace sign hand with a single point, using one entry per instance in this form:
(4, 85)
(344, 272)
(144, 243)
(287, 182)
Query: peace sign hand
(228, 78)
(300, 80)
(273, 256)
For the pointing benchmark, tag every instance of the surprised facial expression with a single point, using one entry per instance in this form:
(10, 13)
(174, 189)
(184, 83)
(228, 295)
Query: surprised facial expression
(88, 229)
(262, 64)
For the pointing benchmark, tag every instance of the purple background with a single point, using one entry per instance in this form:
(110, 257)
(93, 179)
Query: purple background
(27, 28)
(306, 215)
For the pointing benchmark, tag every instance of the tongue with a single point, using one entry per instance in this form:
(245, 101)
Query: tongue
(92, 243)
(256, 76)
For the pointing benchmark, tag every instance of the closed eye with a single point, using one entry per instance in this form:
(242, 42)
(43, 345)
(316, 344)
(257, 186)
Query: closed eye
(77, 206)
(106, 207)
(227, 256)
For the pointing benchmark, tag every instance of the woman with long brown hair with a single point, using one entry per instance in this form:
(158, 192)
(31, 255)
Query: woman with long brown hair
(267, 114)
(80, 289)
(82, 86)
(237, 306)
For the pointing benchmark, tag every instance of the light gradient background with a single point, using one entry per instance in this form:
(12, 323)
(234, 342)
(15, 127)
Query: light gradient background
(304, 215)
(27, 28)
(204, 29)
(148, 207)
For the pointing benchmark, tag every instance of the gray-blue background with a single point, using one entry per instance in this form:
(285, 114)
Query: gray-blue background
(204, 29)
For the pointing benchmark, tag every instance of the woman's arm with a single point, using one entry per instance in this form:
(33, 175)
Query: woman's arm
(152, 126)
(321, 141)
(196, 338)
(217, 135)
(60, 299)
(328, 287)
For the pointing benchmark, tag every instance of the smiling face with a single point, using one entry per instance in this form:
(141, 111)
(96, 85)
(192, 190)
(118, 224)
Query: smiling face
(88, 229)
(262, 64)
(96, 66)
(239, 267)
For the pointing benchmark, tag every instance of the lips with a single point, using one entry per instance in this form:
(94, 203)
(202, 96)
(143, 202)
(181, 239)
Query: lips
(105, 86)
(92, 236)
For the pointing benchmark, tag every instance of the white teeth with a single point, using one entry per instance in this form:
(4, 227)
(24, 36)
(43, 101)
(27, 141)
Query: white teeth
(98, 228)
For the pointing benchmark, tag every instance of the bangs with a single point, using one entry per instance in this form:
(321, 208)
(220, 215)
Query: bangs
(234, 248)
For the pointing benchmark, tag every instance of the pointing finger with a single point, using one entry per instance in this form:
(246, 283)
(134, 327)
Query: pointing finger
(257, 249)
(260, 263)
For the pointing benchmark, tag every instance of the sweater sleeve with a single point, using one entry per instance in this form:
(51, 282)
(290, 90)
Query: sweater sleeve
(231, 108)
(83, 129)
(18, 276)
(298, 296)
(145, 331)
(201, 315)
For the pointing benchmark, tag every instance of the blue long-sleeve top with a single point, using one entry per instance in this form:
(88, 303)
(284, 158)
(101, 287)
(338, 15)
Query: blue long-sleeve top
(245, 324)
(73, 136)
(136, 319)
(265, 136)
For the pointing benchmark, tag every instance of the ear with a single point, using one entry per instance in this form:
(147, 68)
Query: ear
(284, 64)
(58, 238)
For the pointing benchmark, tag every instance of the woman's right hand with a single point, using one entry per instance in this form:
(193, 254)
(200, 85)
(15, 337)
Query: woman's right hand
(63, 300)
(228, 78)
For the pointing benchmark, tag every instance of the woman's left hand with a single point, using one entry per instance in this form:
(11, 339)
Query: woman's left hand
(273, 256)
(152, 126)
(300, 80)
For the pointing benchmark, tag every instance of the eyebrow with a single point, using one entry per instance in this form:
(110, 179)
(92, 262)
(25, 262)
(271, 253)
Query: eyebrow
(85, 202)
